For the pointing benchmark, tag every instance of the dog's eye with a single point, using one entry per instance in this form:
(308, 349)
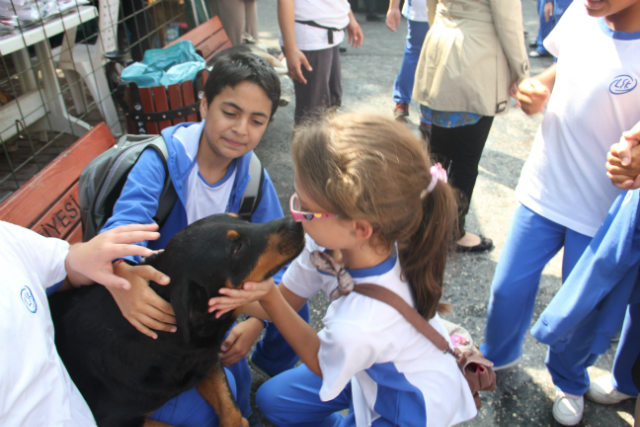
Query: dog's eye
(239, 246)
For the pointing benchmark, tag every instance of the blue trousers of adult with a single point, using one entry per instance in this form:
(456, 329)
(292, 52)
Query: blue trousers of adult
(292, 399)
(273, 354)
(568, 368)
(403, 86)
(545, 27)
(532, 241)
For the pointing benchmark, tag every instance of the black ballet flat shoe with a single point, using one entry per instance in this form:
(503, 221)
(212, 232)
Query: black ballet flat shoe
(485, 245)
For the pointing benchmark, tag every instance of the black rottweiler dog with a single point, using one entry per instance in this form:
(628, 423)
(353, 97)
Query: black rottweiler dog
(124, 375)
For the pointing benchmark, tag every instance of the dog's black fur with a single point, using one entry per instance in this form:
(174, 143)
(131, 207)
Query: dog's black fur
(124, 375)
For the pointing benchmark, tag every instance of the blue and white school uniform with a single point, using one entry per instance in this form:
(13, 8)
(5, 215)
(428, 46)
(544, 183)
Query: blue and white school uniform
(563, 189)
(35, 387)
(138, 204)
(372, 360)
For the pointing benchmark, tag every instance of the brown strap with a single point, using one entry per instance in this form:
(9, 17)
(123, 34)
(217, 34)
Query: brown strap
(389, 297)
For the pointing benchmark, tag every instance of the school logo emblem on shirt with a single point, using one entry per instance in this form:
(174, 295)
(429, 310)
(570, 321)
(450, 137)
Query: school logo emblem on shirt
(27, 298)
(622, 84)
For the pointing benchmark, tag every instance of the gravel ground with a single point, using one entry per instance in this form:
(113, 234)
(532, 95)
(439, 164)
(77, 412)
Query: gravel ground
(525, 393)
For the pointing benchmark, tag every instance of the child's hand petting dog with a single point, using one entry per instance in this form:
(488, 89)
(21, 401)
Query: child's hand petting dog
(140, 305)
(623, 160)
(240, 340)
(91, 261)
(233, 298)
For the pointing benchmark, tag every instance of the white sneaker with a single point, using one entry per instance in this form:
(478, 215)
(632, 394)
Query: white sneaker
(602, 391)
(568, 409)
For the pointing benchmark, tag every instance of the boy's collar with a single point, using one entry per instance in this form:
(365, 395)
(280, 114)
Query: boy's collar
(616, 35)
(189, 138)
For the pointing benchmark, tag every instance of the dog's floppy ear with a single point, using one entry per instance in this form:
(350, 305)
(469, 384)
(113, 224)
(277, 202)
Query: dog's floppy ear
(187, 296)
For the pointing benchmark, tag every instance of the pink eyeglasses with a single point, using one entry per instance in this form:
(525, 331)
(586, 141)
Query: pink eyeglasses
(298, 216)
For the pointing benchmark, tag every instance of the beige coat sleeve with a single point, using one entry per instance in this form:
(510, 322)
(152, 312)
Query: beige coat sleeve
(507, 20)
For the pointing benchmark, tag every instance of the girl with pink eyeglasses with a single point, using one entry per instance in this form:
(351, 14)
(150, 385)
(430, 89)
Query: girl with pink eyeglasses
(375, 210)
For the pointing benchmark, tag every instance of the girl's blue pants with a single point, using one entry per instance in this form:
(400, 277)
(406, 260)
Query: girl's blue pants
(292, 399)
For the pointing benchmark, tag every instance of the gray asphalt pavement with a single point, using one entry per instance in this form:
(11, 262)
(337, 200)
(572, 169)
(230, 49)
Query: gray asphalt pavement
(525, 394)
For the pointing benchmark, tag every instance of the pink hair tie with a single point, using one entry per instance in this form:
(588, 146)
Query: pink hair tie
(437, 173)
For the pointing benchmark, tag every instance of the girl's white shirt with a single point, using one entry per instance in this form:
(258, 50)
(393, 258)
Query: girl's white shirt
(363, 336)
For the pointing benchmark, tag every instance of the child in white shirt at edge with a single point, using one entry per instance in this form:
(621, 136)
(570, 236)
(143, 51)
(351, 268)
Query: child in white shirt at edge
(311, 32)
(563, 193)
(35, 387)
(387, 215)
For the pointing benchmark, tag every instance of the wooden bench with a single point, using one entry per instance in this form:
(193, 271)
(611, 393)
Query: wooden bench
(208, 38)
(152, 109)
(48, 202)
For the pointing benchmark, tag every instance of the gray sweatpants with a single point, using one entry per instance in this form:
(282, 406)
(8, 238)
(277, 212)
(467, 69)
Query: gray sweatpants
(237, 17)
(323, 90)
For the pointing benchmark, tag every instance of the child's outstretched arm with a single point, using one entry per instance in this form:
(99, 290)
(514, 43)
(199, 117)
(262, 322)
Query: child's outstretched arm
(91, 262)
(298, 333)
(533, 93)
(623, 160)
(295, 58)
(247, 298)
(279, 305)
(129, 285)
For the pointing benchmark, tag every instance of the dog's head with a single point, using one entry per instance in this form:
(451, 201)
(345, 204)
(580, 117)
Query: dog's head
(221, 251)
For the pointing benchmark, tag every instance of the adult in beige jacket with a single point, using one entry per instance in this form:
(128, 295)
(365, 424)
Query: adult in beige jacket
(472, 54)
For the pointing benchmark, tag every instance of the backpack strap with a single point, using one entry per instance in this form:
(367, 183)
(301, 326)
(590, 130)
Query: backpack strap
(389, 297)
(253, 193)
(169, 196)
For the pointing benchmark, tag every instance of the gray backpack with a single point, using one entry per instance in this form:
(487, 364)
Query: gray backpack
(102, 180)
